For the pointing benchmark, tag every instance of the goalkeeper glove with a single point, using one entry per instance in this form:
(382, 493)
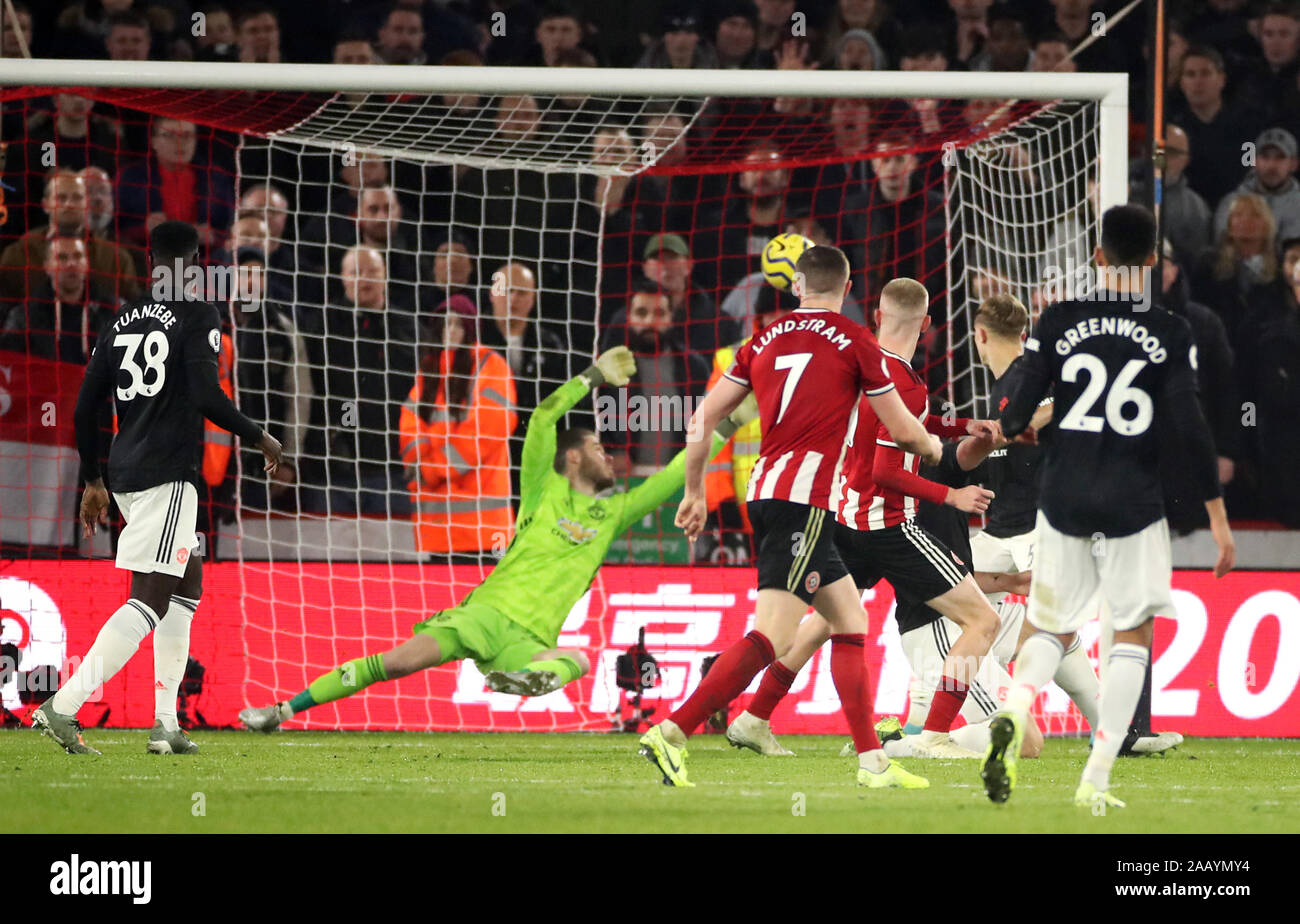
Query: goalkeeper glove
(745, 412)
(615, 366)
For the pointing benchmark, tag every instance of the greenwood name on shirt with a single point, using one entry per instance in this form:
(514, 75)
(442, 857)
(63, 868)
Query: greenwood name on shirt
(808, 370)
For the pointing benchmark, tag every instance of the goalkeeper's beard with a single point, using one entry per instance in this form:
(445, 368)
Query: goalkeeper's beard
(592, 471)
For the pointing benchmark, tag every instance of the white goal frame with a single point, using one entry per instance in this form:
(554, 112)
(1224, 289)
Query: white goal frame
(1110, 91)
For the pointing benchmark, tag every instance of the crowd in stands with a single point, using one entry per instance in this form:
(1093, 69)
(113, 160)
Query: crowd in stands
(410, 316)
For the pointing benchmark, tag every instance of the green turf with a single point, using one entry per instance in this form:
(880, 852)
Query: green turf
(395, 782)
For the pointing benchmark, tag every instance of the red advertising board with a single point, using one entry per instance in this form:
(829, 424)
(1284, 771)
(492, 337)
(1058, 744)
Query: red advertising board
(1228, 665)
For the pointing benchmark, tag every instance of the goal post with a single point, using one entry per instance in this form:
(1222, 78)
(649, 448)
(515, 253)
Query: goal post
(577, 198)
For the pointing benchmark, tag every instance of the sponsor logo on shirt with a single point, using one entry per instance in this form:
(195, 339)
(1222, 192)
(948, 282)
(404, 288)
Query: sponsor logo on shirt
(573, 531)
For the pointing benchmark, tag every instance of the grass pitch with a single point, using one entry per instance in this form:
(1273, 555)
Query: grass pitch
(323, 782)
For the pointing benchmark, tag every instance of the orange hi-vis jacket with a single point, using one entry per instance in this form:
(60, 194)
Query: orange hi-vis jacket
(218, 443)
(459, 470)
(727, 475)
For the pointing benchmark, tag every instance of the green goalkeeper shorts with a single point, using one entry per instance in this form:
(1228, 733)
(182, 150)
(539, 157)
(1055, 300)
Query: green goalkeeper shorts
(480, 633)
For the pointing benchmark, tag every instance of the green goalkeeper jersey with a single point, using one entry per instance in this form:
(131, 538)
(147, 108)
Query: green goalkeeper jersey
(562, 535)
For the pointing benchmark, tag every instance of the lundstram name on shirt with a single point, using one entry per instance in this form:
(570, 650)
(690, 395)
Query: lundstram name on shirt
(243, 285)
(1085, 282)
(824, 326)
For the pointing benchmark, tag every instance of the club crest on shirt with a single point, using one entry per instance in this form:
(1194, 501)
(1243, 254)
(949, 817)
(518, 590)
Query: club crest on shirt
(1002, 405)
(572, 531)
(596, 511)
(955, 558)
(182, 555)
(812, 582)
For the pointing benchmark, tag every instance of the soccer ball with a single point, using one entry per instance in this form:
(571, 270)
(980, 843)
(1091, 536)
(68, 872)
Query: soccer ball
(780, 256)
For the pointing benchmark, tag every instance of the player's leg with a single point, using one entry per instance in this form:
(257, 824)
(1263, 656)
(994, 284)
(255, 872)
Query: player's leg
(535, 673)
(1136, 572)
(147, 548)
(171, 654)
(1065, 580)
(840, 604)
(988, 694)
(752, 728)
(796, 554)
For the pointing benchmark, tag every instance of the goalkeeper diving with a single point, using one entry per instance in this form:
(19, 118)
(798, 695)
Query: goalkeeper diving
(566, 523)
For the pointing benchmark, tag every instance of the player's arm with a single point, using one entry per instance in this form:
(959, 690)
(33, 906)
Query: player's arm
(1180, 409)
(203, 383)
(904, 431)
(615, 366)
(888, 471)
(1033, 378)
(95, 389)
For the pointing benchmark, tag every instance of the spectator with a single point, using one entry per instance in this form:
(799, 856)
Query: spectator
(169, 185)
(1217, 393)
(1051, 52)
(112, 269)
(872, 17)
(363, 366)
(923, 48)
(1076, 19)
(900, 220)
(61, 318)
(455, 441)
(217, 40)
(380, 226)
(775, 28)
(673, 199)
(1273, 178)
(1277, 383)
(667, 262)
(70, 138)
(680, 44)
(1006, 46)
(259, 35)
(611, 204)
(1225, 25)
(1238, 280)
(669, 379)
(273, 379)
(537, 355)
(1216, 131)
(858, 50)
(850, 122)
(735, 38)
(971, 32)
(453, 271)
(20, 24)
(401, 37)
(1184, 215)
(353, 47)
(127, 37)
(271, 204)
(728, 243)
(559, 30)
(1272, 80)
(100, 200)
(248, 231)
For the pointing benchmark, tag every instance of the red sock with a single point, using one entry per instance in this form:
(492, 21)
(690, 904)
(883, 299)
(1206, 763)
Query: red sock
(776, 683)
(947, 702)
(849, 671)
(726, 680)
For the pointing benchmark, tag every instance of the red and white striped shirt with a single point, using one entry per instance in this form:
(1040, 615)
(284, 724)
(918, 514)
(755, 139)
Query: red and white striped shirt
(808, 368)
(881, 485)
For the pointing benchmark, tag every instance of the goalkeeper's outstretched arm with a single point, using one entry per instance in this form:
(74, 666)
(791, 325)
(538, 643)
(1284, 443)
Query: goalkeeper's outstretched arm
(613, 367)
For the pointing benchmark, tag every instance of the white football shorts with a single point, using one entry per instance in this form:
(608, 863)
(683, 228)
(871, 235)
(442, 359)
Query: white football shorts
(160, 524)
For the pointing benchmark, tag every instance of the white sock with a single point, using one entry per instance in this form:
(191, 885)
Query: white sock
(899, 747)
(873, 761)
(918, 704)
(1077, 678)
(171, 652)
(972, 737)
(1126, 672)
(116, 642)
(1035, 665)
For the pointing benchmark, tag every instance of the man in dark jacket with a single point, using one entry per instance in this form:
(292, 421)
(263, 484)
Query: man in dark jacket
(1277, 375)
(1218, 394)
